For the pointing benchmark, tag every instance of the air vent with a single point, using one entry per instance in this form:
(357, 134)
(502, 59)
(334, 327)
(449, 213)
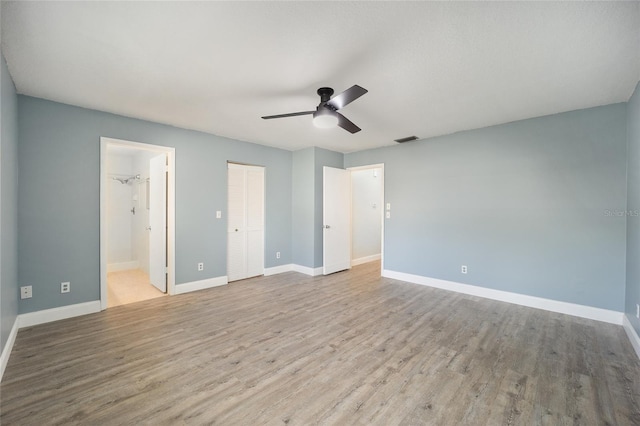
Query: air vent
(407, 139)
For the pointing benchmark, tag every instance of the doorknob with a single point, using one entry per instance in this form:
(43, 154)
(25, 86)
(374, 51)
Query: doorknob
(236, 229)
(327, 227)
(148, 228)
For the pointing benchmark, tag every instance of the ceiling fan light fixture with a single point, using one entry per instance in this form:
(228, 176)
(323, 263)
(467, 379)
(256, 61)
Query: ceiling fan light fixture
(324, 118)
(326, 114)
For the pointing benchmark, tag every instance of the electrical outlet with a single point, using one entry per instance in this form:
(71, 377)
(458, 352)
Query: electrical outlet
(637, 311)
(26, 292)
(65, 287)
(277, 255)
(200, 266)
(388, 215)
(463, 269)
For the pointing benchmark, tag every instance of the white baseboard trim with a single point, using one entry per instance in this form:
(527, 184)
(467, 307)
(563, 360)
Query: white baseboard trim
(631, 334)
(314, 272)
(201, 285)
(278, 270)
(55, 314)
(365, 259)
(582, 311)
(6, 351)
(123, 266)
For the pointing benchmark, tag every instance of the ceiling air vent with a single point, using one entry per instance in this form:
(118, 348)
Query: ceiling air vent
(407, 139)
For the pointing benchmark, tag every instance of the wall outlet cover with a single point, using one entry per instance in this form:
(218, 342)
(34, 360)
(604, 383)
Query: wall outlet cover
(26, 292)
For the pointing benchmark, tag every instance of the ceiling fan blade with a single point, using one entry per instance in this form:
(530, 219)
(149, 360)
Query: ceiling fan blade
(347, 124)
(346, 97)
(291, 114)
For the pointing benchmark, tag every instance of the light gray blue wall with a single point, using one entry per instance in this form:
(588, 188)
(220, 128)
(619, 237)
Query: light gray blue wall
(303, 207)
(323, 157)
(633, 207)
(531, 207)
(8, 204)
(523, 205)
(59, 156)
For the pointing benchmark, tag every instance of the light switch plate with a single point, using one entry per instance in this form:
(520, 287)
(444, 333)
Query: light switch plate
(218, 214)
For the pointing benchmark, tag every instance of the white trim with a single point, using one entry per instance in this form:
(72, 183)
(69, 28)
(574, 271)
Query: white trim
(55, 314)
(314, 272)
(201, 285)
(582, 311)
(631, 334)
(6, 351)
(278, 269)
(171, 203)
(365, 259)
(232, 165)
(123, 266)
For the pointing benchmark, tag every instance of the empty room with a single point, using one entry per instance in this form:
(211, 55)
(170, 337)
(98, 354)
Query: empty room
(320, 212)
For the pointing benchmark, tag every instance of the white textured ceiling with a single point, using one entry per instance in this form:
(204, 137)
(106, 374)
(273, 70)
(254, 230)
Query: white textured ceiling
(430, 68)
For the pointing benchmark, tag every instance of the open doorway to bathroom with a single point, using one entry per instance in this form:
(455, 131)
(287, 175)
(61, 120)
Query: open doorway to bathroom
(136, 222)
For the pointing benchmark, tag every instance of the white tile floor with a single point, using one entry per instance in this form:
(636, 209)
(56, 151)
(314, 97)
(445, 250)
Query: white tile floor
(124, 287)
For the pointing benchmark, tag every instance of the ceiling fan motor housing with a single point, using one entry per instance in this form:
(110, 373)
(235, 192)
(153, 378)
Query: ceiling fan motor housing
(325, 94)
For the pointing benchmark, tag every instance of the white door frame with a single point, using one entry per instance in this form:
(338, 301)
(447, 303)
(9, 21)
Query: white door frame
(171, 205)
(382, 203)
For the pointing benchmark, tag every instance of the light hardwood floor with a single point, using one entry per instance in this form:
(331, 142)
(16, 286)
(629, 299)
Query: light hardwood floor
(350, 348)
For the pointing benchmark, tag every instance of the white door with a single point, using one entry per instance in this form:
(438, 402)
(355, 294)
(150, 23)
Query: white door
(336, 217)
(157, 222)
(245, 250)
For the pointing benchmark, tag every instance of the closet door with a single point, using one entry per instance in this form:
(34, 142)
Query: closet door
(255, 221)
(245, 250)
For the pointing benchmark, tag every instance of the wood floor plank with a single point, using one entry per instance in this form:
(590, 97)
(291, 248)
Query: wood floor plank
(350, 348)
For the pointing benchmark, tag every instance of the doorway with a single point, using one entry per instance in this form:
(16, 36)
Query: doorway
(137, 225)
(367, 213)
(353, 217)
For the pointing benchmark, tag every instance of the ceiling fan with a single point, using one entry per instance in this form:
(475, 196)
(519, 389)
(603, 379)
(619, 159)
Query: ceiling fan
(326, 113)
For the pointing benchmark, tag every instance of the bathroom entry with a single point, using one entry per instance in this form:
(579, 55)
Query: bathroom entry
(135, 213)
